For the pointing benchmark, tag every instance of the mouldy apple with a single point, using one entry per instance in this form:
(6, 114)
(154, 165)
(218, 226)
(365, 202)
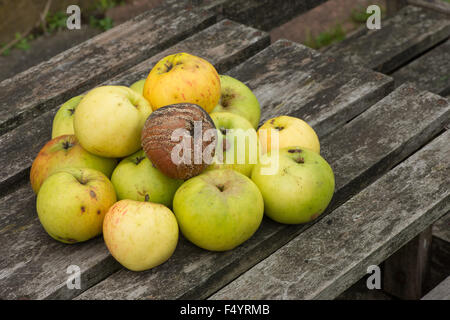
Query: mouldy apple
(236, 144)
(140, 235)
(291, 131)
(237, 98)
(63, 120)
(182, 78)
(109, 120)
(219, 209)
(136, 178)
(63, 152)
(300, 189)
(72, 203)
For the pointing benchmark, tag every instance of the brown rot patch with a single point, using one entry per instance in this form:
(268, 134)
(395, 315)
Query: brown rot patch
(83, 209)
(300, 160)
(272, 121)
(71, 240)
(99, 212)
(294, 150)
(314, 216)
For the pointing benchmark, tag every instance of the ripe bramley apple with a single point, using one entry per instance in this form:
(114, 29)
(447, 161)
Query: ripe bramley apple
(219, 209)
(291, 132)
(138, 86)
(140, 235)
(237, 143)
(62, 152)
(300, 190)
(72, 203)
(182, 78)
(109, 120)
(63, 120)
(237, 98)
(137, 179)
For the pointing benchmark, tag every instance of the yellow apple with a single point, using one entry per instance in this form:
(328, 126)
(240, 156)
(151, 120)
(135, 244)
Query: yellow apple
(72, 203)
(291, 131)
(140, 235)
(109, 120)
(63, 120)
(181, 78)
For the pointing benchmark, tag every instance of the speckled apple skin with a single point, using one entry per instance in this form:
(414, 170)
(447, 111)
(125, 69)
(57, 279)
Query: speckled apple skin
(182, 78)
(140, 235)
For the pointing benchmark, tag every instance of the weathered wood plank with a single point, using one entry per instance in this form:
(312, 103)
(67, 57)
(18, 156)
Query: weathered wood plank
(41, 273)
(266, 14)
(438, 5)
(48, 84)
(441, 292)
(441, 229)
(429, 72)
(334, 253)
(225, 44)
(407, 270)
(358, 153)
(410, 32)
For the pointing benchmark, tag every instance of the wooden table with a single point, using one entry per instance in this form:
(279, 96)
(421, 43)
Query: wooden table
(387, 146)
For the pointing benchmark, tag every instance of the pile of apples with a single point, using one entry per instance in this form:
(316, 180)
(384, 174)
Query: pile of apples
(93, 177)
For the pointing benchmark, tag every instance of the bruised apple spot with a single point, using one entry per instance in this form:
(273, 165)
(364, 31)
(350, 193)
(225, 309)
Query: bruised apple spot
(83, 209)
(314, 216)
(92, 194)
(99, 212)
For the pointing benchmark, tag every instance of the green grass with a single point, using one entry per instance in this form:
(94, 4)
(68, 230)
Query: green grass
(325, 38)
(56, 21)
(103, 23)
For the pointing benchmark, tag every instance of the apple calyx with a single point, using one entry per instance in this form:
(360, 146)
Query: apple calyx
(138, 160)
(221, 187)
(67, 145)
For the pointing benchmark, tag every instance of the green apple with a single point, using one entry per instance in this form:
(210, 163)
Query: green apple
(299, 189)
(136, 178)
(138, 86)
(109, 121)
(63, 120)
(62, 152)
(237, 98)
(237, 143)
(218, 209)
(72, 203)
(140, 235)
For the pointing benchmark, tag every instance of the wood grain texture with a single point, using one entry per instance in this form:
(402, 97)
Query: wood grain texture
(35, 265)
(437, 5)
(224, 44)
(372, 143)
(406, 272)
(266, 14)
(71, 72)
(402, 37)
(429, 72)
(441, 292)
(327, 258)
(291, 79)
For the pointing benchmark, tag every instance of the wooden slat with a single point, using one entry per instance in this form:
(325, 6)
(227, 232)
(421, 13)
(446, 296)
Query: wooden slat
(266, 14)
(334, 253)
(410, 32)
(41, 272)
(441, 229)
(406, 272)
(429, 72)
(438, 5)
(359, 153)
(48, 84)
(225, 44)
(441, 292)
